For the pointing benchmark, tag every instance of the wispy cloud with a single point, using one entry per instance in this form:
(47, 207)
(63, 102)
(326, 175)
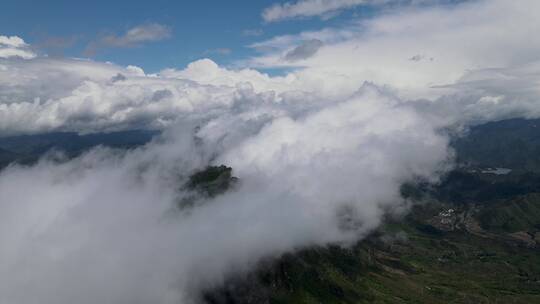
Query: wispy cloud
(90, 227)
(56, 45)
(136, 36)
(327, 9)
(218, 51)
(252, 32)
(307, 8)
(304, 50)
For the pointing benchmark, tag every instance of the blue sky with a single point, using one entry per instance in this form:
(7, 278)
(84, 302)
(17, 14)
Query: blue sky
(198, 28)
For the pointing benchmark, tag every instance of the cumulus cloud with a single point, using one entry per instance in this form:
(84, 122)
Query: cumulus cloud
(13, 46)
(150, 32)
(90, 96)
(305, 50)
(469, 35)
(207, 72)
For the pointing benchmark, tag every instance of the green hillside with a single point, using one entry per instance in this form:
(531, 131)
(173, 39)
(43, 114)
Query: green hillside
(404, 262)
(474, 238)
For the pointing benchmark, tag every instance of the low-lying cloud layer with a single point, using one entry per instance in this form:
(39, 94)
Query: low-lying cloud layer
(321, 152)
(104, 227)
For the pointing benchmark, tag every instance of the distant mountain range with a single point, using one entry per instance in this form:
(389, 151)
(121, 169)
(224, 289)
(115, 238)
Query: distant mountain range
(513, 144)
(29, 148)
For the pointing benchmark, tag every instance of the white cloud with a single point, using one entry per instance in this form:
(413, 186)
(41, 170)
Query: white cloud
(207, 72)
(87, 98)
(461, 37)
(13, 46)
(12, 41)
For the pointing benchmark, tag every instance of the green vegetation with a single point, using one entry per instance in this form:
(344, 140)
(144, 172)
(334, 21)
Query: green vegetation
(212, 181)
(205, 184)
(448, 267)
(474, 239)
(519, 214)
